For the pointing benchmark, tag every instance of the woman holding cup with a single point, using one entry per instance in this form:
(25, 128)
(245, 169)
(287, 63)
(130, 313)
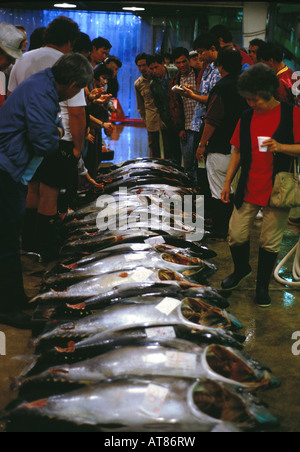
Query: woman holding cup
(264, 145)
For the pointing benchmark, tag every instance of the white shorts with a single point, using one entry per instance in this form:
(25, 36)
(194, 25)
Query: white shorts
(217, 167)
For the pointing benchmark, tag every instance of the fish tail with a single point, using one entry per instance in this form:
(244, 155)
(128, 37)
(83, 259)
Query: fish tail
(30, 360)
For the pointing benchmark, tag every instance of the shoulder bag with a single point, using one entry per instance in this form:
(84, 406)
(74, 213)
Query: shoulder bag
(286, 190)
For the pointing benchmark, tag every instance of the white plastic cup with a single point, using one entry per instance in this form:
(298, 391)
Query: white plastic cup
(260, 141)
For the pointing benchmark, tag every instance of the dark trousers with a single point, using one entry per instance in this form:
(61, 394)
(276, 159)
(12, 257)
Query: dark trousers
(154, 145)
(12, 211)
(171, 144)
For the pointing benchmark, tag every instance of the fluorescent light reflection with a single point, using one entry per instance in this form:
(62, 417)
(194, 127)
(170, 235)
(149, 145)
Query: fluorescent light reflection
(132, 8)
(65, 5)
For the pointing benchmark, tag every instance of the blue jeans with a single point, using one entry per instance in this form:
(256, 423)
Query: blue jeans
(188, 150)
(12, 211)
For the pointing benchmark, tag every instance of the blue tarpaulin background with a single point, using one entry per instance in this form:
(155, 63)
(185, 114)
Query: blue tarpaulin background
(129, 35)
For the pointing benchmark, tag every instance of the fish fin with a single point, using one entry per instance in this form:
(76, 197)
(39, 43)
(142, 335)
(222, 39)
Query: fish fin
(69, 349)
(41, 403)
(35, 299)
(78, 306)
(31, 361)
(70, 267)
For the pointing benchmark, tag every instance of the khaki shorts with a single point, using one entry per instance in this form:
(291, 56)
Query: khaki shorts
(273, 227)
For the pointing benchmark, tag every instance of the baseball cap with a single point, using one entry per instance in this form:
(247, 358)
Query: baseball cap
(11, 40)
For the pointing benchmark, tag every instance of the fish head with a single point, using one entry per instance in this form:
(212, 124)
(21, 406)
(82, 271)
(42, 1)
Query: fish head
(212, 399)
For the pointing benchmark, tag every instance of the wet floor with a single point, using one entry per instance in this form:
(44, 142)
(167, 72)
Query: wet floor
(128, 142)
(268, 331)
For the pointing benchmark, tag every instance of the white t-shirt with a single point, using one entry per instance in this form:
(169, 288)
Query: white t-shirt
(38, 60)
(31, 63)
(76, 101)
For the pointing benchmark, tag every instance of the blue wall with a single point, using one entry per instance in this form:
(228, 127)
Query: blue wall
(127, 33)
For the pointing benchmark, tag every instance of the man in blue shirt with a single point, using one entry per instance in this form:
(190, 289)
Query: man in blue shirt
(29, 131)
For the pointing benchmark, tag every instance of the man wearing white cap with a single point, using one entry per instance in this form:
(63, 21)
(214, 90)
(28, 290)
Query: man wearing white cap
(11, 41)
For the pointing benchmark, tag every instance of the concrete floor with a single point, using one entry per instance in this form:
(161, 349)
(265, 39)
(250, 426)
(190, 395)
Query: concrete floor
(268, 331)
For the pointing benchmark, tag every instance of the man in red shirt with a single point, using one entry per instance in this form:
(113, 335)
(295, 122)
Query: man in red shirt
(224, 36)
(272, 55)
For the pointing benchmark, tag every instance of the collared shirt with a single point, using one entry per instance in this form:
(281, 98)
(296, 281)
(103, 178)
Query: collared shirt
(210, 78)
(285, 90)
(189, 104)
(146, 105)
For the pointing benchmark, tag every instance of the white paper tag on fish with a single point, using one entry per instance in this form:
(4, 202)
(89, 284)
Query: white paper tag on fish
(181, 360)
(167, 332)
(154, 400)
(154, 241)
(141, 274)
(134, 257)
(168, 305)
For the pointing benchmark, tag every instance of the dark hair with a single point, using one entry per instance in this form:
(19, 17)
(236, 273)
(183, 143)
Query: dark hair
(83, 42)
(101, 42)
(60, 31)
(230, 59)
(154, 59)
(221, 31)
(258, 80)
(103, 70)
(180, 51)
(206, 41)
(37, 39)
(73, 67)
(256, 42)
(141, 56)
(167, 55)
(113, 59)
(270, 50)
(20, 27)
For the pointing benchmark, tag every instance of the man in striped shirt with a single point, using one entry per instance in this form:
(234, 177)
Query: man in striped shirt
(182, 110)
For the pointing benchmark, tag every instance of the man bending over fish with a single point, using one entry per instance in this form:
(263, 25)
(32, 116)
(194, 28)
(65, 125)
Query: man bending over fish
(29, 127)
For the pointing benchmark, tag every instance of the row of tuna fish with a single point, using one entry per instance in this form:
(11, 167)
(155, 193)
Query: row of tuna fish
(129, 335)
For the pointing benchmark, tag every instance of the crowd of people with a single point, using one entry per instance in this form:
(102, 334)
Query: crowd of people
(215, 107)
(196, 122)
(51, 140)
(57, 106)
